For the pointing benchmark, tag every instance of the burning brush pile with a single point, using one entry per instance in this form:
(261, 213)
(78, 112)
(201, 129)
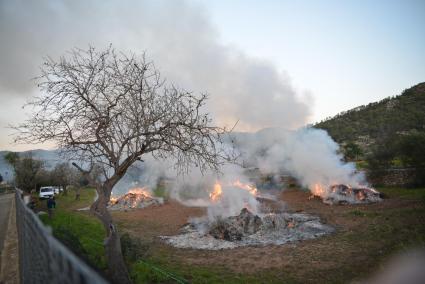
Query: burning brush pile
(247, 226)
(345, 194)
(135, 198)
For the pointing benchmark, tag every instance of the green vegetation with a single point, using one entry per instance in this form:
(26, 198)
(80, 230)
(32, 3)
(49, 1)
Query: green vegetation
(378, 121)
(404, 193)
(81, 232)
(26, 170)
(386, 134)
(30, 173)
(160, 191)
(148, 272)
(352, 151)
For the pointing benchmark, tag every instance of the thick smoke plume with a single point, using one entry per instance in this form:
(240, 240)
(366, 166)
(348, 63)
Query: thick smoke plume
(183, 43)
(195, 190)
(177, 35)
(310, 155)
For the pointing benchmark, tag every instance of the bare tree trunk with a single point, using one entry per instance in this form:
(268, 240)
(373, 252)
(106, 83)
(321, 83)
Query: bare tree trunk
(117, 269)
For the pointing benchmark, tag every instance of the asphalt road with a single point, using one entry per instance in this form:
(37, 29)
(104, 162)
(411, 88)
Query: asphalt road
(5, 202)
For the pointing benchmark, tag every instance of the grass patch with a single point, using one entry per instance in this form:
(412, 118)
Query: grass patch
(148, 272)
(81, 232)
(362, 213)
(160, 270)
(404, 193)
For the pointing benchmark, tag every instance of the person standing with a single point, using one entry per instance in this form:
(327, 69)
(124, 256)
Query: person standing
(51, 204)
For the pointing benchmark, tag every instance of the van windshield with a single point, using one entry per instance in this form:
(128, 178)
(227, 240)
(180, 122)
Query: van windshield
(46, 189)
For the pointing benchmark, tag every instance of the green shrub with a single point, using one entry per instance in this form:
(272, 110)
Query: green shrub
(132, 248)
(69, 239)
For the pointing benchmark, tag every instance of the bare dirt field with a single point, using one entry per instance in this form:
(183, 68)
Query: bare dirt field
(365, 236)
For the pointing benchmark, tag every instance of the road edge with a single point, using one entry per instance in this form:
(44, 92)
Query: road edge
(9, 271)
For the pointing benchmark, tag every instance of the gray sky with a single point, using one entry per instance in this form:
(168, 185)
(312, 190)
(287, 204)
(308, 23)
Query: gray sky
(268, 63)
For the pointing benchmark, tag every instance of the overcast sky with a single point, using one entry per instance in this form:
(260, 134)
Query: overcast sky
(265, 63)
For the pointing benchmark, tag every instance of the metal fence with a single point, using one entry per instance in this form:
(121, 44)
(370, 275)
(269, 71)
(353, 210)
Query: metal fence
(42, 258)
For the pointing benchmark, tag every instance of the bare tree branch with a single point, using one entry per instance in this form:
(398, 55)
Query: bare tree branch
(108, 109)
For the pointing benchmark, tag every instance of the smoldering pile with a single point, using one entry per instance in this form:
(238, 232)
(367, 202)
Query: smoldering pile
(345, 194)
(248, 229)
(134, 199)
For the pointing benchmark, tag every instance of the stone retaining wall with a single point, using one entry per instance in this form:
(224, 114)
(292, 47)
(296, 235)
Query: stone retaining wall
(392, 177)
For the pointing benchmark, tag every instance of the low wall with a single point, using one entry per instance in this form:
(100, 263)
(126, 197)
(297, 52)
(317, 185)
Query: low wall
(392, 177)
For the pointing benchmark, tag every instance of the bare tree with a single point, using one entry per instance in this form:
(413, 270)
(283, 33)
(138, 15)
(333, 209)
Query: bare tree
(107, 109)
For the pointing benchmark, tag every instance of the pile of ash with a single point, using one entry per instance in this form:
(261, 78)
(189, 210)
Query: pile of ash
(248, 229)
(344, 194)
(235, 227)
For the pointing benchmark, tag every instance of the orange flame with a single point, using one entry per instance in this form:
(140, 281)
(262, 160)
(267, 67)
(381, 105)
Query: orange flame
(215, 195)
(252, 189)
(218, 190)
(318, 190)
(140, 191)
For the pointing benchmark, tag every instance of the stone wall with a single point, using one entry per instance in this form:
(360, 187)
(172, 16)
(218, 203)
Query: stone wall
(392, 177)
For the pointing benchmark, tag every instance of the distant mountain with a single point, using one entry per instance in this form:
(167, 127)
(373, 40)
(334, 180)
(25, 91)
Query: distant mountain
(379, 121)
(52, 157)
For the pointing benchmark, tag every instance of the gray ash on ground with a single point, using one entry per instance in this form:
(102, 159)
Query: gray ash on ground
(248, 229)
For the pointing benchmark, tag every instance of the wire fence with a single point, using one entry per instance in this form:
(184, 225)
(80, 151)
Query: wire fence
(42, 258)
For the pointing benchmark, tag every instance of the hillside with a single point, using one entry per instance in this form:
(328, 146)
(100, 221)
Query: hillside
(379, 121)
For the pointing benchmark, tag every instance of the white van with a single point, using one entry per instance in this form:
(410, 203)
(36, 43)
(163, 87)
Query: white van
(46, 192)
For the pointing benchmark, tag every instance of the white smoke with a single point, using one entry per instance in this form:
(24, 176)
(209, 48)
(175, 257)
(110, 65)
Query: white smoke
(177, 35)
(180, 38)
(146, 174)
(195, 188)
(310, 155)
(232, 200)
